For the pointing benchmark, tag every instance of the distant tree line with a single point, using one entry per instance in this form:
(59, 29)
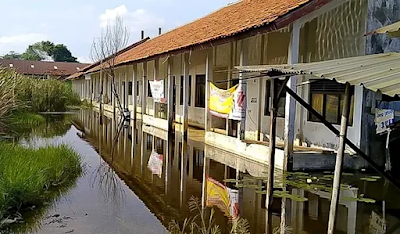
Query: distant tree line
(44, 50)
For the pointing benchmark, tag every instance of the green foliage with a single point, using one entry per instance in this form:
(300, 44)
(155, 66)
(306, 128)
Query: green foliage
(45, 49)
(12, 55)
(62, 54)
(204, 222)
(27, 119)
(26, 174)
(31, 53)
(47, 95)
(9, 82)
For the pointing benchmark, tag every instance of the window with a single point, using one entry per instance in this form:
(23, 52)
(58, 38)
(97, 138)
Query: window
(327, 97)
(190, 89)
(282, 100)
(130, 88)
(137, 88)
(200, 91)
(149, 90)
(198, 163)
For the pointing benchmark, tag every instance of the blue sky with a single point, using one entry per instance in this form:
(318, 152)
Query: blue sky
(75, 23)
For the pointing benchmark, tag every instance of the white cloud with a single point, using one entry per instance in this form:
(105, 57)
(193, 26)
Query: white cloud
(19, 42)
(136, 20)
(82, 59)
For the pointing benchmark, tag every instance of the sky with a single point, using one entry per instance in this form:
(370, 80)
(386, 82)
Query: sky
(76, 23)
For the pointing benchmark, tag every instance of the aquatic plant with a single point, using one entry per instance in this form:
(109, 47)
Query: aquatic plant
(27, 174)
(204, 222)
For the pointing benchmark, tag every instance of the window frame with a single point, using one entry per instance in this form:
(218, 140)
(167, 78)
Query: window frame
(200, 102)
(267, 96)
(190, 91)
(339, 93)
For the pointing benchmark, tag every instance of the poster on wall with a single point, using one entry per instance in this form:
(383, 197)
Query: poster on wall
(157, 90)
(226, 199)
(155, 163)
(228, 103)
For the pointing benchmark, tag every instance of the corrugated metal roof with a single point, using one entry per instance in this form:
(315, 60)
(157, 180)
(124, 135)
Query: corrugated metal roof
(393, 30)
(378, 72)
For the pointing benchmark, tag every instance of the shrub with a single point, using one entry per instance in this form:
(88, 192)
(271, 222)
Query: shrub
(47, 95)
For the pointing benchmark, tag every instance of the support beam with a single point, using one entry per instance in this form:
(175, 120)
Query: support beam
(126, 90)
(185, 104)
(156, 67)
(339, 161)
(168, 162)
(209, 78)
(144, 88)
(242, 83)
(134, 94)
(170, 100)
(183, 175)
(231, 64)
(206, 172)
(290, 105)
(271, 160)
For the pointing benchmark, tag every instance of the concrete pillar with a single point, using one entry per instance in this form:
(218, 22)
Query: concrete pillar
(156, 68)
(144, 88)
(185, 104)
(231, 64)
(209, 78)
(126, 91)
(134, 94)
(242, 62)
(206, 173)
(290, 105)
(183, 177)
(170, 96)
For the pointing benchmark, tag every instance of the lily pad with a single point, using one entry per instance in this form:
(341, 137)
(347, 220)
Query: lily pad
(368, 179)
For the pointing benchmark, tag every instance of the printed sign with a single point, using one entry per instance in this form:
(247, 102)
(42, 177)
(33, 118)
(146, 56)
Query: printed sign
(383, 119)
(157, 90)
(155, 163)
(228, 103)
(226, 199)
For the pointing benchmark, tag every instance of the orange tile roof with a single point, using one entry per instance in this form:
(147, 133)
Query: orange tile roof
(228, 21)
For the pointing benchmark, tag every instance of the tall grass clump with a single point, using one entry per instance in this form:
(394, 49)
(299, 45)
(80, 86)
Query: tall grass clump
(26, 174)
(47, 95)
(9, 81)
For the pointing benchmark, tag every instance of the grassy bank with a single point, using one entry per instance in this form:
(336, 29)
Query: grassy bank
(27, 174)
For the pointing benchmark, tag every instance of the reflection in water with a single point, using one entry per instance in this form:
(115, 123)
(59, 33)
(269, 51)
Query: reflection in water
(300, 205)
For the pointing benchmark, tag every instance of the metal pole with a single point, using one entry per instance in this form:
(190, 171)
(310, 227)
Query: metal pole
(339, 161)
(271, 160)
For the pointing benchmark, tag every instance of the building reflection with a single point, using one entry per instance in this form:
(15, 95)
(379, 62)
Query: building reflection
(186, 164)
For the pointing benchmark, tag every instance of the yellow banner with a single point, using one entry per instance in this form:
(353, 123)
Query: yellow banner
(226, 199)
(221, 101)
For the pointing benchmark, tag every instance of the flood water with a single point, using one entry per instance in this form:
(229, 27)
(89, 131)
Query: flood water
(118, 193)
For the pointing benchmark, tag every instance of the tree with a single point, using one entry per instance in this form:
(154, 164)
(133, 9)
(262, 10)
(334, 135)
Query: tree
(12, 55)
(60, 53)
(47, 50)
(105, 50)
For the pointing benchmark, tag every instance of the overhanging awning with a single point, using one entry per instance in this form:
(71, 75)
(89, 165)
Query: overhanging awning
(378, 72)
(393, 30)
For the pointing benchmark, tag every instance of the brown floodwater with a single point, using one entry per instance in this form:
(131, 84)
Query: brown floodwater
(118, 193)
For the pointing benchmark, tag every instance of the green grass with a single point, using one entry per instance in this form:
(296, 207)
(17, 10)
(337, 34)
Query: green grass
(27, 118)
(27, 174)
